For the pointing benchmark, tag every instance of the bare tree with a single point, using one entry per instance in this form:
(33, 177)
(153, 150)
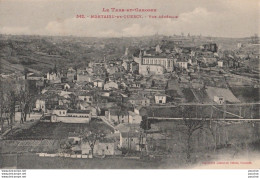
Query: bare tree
(2, 109)
(91, 136)
(11, 107)
(213, 129)
(7, 107)
(122, 110)
(73, 101)
(189, 125)
(25, 101)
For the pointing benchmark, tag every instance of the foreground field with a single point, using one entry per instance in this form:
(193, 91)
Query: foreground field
(244, 160)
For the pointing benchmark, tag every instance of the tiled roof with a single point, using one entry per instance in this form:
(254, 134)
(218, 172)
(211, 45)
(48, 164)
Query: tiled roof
(79, 111)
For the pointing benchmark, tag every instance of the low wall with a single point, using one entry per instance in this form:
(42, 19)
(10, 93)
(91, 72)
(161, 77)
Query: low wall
(65, 155)
(66, 119)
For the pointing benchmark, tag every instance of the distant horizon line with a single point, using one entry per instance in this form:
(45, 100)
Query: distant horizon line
(75, 36)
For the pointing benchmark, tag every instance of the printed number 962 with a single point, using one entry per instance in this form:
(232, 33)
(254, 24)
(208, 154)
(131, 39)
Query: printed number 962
(81, 16)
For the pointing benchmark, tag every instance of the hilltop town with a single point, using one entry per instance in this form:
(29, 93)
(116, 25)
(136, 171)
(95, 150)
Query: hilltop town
(178, 99)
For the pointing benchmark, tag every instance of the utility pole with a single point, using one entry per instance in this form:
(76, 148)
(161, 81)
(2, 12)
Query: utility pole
(251, 110)
(225, 108)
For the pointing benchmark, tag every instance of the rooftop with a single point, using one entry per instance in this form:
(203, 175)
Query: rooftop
(79, 111)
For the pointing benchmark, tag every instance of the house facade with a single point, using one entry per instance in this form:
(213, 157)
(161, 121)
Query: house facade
(220, 63)
(40, 105)
(134, 118)
(139, 100)
(101, 147)
(87, 97)
(110, 85)
(151, 64)
(160, 98)
(219, 99)
(131, 140)
(71, 116)
(182, 64)
(98, 83)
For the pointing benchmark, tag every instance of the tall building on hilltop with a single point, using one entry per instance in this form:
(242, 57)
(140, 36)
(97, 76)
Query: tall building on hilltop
(153, 64)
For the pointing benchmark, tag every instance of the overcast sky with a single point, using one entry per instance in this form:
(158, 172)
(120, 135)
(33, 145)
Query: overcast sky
(222, 18)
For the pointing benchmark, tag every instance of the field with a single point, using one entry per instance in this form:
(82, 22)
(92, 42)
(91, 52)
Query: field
(204, 111)
(236, 135)
(39, 54)
(46, 130)
(246, 94)
(31, 161)
(239, 136)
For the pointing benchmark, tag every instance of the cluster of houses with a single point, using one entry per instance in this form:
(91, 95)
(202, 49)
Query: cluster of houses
(116, 90)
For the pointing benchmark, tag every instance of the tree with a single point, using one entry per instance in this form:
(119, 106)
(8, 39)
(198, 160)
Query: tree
(122, 110)
(26, 71)
(153, 83)
(190, 124)
(25, 100)
(7, 101)
(11, 107)
(213, 129)
(91, 136)
(65, 147)
(3, 108)
(145, 123)
(73, 101)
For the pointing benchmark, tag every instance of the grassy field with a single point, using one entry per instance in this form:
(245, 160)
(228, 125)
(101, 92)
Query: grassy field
(177, 161)
(47, 130)
(233, 135)
(31, 161)
(231, 138)
(246, 94)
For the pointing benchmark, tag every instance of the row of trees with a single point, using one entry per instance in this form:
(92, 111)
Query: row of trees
(14, 98)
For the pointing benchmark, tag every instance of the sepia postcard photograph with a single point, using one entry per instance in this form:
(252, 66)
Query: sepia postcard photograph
(120, 84)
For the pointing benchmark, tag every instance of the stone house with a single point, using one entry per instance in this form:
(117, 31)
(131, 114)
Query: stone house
(131, 140)
(160, 98)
